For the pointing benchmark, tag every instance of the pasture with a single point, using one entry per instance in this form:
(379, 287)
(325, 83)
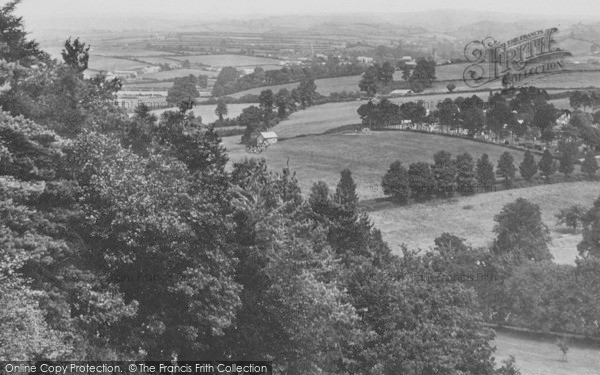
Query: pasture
(172, 74)
(318, 119)
(232, 60)
(325, 86)
(541, 356)
(368, 156)
(98, 62)
(472, 218)
(207, 111)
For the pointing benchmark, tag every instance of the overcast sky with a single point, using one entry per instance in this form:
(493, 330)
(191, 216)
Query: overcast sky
(34, 9)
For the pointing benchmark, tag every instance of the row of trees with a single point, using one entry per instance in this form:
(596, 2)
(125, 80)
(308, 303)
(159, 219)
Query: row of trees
(447, 175)
(229, 80)
(380, 77)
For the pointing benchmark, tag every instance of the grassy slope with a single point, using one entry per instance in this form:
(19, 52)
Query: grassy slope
(418, 224)
(367, 155)
(542, 356)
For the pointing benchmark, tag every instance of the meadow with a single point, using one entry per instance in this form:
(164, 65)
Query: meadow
(325, 86)
(207, 111)
(472, 218)
(541, 356)
(98, 62)
(172, 74)
(368, 155)
(231, 60)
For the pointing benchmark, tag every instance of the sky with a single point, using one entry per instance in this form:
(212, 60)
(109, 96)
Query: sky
(35, 9)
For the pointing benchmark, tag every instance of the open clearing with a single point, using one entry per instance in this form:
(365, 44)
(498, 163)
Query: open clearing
(368, 156)
(542, 356)
(472, 218)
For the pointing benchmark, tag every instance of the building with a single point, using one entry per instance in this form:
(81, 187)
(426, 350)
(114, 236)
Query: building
(400, 92)
(365, 59)
(151, 69)
(266, 137)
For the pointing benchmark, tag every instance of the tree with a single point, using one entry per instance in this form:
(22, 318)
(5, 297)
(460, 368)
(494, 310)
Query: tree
(252, 118)
(184, 88)
(221, 109)
(545, 119)
(465, 174)
(444, 172)
(266, 100)
(547, 165)
(421, 180)
(285, 103)
(226, 76)
(415, 112)
(521, 232)
(589, 165)
(385, 73)
(528, 167)
(76, 55)
(451, 86)
(590, 221)
(13, 38)
(571, 216)
(485, 172)
(369, 81)
(424, 72)
(306, 92)
(506, 168)
(473, 120)
(395, 182)
(345, 192)
(448, 113)
(568, 151)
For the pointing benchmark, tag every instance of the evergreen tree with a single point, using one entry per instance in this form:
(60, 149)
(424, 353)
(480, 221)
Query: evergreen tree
(568, 151)
(590, 244)
(395, 182)
(547, 165)
(589, 165)
(485, 172)
(465, 174)
(421, 180)
(506, 168)
(444, 171)
(345, 192)
(528, 167)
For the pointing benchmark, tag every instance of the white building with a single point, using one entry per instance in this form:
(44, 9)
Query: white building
(267, 137)
(365, 59)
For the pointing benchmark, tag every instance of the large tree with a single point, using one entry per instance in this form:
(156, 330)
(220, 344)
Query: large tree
(395, 182)
(528, 167)
(506, 168)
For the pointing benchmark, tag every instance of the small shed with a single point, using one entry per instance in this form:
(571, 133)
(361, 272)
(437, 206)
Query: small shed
(267, 137)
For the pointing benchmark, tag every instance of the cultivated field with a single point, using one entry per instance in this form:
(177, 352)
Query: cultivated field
(417, 225)
(368, 156)
(542, 356)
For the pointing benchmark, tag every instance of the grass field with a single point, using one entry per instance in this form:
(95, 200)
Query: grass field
(325, 86)
(318, 119)
(230, 60)
(207, 111)
(542, 356)
(98, 62)
(147, 86)
(368, 156)
(417, 225)
(171, 74)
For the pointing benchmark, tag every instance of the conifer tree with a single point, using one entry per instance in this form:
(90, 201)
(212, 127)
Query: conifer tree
(485, 172)
(528, 167)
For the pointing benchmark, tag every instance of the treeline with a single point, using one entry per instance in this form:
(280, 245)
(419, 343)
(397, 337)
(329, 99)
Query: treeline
(229, 80)
(512, 112)
(447, 176)
(379, 78)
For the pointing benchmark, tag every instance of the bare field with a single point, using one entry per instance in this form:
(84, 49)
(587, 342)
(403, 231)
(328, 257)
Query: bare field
(417, 225)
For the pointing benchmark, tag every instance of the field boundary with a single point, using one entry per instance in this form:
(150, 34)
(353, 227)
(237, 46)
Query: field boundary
(531, 333)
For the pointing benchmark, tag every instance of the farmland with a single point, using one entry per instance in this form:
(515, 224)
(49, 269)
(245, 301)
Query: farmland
(417, 225)
(207, 111)
(111, 63)
(367, 155)
(325, 86)
(232, 60)
(540, 356)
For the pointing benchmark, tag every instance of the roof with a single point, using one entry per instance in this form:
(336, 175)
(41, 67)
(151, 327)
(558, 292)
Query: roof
(268, 134)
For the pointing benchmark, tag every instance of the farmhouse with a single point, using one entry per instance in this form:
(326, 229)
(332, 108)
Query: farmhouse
(365, 59)
(266, 137)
